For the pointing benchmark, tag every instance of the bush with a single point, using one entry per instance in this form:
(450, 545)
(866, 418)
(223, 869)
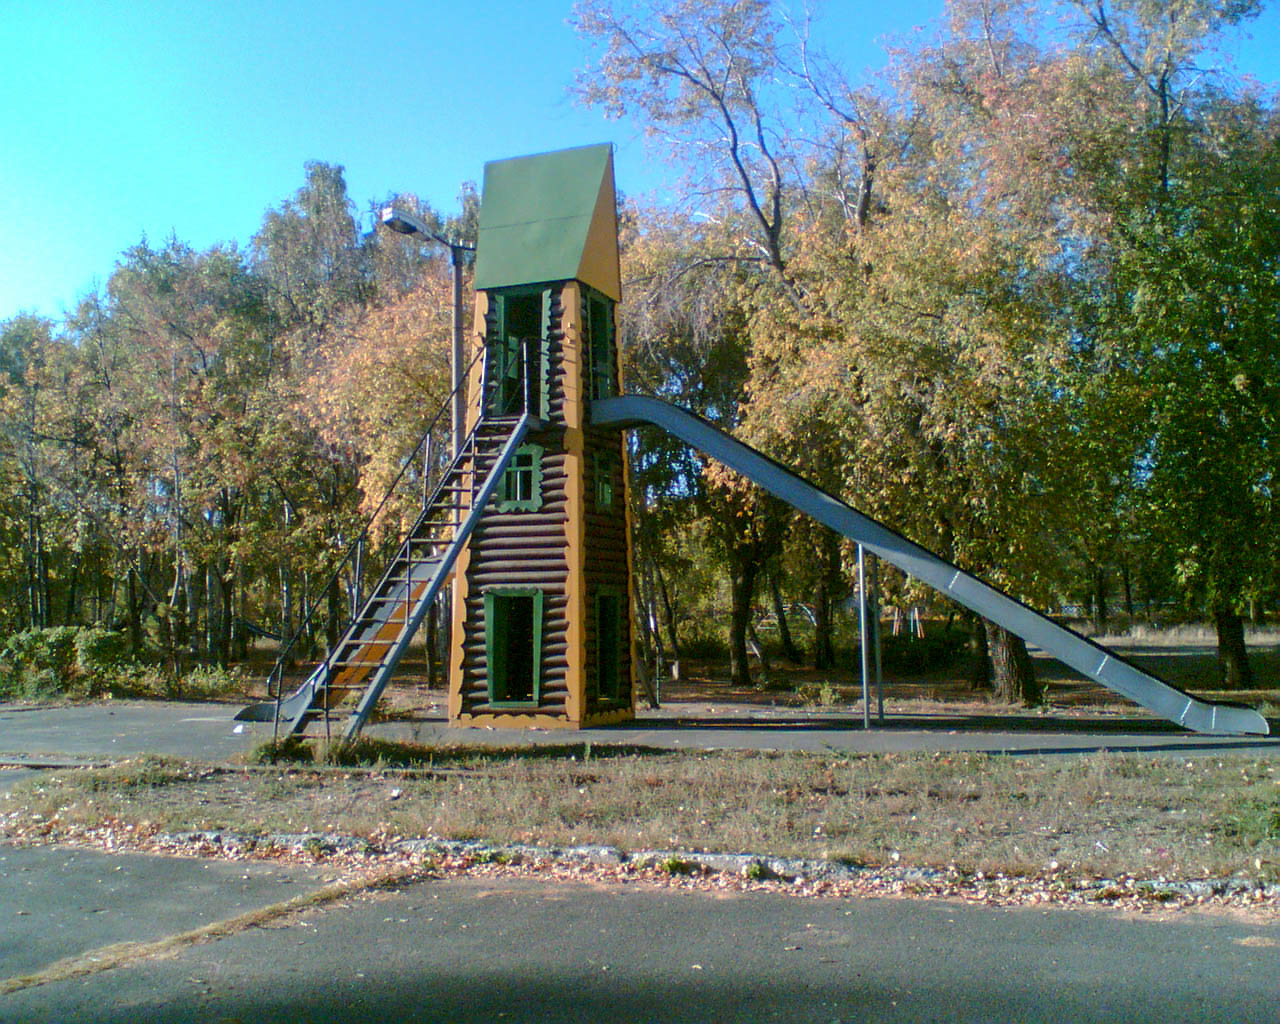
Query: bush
(72, 661)
(823, 695)
(209, 681)
(40, 663)
(100, 652)
(702, 639)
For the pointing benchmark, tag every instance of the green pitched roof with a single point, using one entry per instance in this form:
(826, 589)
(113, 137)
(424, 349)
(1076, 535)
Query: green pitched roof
(549, 217)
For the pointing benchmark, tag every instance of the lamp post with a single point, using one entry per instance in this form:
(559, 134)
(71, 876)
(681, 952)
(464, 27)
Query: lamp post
(405, 223)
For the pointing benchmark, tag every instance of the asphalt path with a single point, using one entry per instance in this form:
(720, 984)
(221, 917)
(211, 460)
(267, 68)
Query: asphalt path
(471, 950)
(61, 902)
(522, 950)
(113, 729)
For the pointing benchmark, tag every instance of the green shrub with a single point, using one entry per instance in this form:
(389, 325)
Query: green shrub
(40, 663)
(823, 695)
(100, 652)
(294, 749)
(703, 639)
(138, 679)
(75, 661)
(678, 866)
(207, 681)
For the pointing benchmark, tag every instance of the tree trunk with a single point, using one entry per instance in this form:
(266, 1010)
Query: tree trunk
(1099, 582)
(1126, 582)
(1234, 670)
(225, 584)
(135, 616)
(668, 615)
(430, 644)
(979, 655)
(824, 655)
(790, 651)
(829, 585)
(70, 616)
(1014, 672)
(742, 585)
(239, 635)
(757, 645)
(333, 613)
(210, 617)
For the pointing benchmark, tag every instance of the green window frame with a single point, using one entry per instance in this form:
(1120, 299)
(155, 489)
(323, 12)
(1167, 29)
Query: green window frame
(598, 315)
(603, 470)
(521, 486)
(513, 646)
(519, 314)
(609, 642)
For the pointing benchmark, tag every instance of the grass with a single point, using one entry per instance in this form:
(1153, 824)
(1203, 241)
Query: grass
(1100, 816)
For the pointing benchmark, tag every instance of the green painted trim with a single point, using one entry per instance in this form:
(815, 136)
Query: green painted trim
(603, 595)
(544, 357)
(602, 350)
(495, 643)
(602, 471)
(504, 344)
(509, 490)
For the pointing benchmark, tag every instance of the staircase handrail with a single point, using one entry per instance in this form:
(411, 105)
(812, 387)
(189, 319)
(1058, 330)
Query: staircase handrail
(276, 676)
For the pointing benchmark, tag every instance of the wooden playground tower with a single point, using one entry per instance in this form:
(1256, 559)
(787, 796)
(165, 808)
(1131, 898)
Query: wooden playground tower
(541, 632)
(530, 520)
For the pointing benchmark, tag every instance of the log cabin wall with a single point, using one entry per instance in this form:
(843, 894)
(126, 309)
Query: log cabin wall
(521, 550)
(607, 563)
(607, 576)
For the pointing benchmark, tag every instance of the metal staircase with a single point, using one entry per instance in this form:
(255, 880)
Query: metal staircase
(346, 685)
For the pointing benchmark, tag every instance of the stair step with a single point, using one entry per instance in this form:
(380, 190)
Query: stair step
(379, 620)
(312, 714)
(398, 620)
(337, 691)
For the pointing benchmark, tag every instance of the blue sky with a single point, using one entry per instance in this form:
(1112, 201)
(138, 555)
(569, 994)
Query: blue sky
(125, 118)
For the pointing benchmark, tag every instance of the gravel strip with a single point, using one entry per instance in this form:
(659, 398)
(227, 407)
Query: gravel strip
(353, 857)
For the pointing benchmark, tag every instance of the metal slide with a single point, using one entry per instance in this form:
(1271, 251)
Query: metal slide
(1069, 647)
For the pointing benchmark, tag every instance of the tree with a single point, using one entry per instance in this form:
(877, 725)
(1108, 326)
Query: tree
(686, 340)
(309, 253)
(316, 269)
(26, 344)
(699, 74)
(1190, 253)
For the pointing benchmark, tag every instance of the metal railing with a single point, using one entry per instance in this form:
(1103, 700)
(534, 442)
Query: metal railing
(355, 548)
(526, 396)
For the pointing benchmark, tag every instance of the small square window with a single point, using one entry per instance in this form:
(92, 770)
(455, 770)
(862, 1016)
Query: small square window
(521, 487)
(604, 474)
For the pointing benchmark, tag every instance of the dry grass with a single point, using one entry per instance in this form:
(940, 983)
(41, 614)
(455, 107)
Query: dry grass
(1099, 816)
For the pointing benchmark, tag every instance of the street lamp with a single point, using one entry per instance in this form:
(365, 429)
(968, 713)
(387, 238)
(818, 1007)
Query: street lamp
(405, 223)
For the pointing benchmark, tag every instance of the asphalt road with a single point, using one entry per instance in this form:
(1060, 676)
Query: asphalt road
(58, 902)
(521, 950)
(112, 729)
